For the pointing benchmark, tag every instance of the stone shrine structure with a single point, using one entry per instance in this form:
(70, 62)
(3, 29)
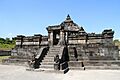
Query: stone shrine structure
(73, 45)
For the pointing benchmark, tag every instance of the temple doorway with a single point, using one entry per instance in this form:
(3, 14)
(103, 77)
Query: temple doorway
(56, 37)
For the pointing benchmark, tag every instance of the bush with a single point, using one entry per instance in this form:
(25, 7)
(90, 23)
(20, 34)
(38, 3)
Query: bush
(7, 44)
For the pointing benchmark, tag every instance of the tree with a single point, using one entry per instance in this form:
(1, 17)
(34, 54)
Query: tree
(2, 40)
(8, 41)
(13, 40)
(117, 42)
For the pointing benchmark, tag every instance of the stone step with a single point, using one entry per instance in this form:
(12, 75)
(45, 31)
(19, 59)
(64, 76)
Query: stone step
(48, 60)
(79, 55)
(75, 64)
(51, 55)
(72, 58)
(102, 67)
(76, 68)
(90, 58)
(54, 53)
(47, 63)
(94, 63)
(47, 66)
(75, 59)
(55, 48)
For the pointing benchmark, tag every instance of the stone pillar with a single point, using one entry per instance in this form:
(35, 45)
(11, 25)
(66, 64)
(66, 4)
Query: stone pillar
(21, 39)
(50, 38)
(66, 37)
(40, 39)
(37, 37)
(61, 35)
(62, 38)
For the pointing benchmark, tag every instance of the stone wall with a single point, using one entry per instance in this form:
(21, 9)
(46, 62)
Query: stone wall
(5, 52)
(93, 52)
(28, 46)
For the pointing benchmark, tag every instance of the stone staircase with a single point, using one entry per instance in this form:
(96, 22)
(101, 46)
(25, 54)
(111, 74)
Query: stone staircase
(48, 61)
(39, 57)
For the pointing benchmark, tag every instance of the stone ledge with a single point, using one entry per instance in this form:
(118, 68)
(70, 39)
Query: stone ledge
(48, 70)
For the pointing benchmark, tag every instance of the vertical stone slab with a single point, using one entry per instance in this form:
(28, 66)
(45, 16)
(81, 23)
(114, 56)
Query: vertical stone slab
(49, 41)
(66, 37)
(51, 38)
(62, 38)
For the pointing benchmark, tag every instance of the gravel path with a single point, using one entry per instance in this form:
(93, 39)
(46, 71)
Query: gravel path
(11, 72)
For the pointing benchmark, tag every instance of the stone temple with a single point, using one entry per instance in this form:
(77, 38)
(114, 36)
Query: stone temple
(73, 46)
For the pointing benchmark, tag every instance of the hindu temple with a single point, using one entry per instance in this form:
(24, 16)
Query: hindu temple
(70, 44)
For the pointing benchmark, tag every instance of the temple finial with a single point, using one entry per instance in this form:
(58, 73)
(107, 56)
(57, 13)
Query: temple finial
(68, 17)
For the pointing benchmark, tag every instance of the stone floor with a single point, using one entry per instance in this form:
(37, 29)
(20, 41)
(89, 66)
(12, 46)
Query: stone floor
(11, 72)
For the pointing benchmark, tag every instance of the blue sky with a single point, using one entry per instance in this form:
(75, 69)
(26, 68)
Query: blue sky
(29, 17)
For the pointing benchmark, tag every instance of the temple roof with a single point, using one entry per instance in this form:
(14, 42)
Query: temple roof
(68, 24)
(68, 19)
(81, 29)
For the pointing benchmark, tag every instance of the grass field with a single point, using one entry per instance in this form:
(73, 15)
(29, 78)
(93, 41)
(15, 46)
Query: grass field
(6, 46)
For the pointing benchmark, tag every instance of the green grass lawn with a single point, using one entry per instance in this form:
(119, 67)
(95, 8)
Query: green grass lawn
(6, 46)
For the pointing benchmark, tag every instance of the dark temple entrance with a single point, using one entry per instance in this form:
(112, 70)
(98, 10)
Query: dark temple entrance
(56, 37)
